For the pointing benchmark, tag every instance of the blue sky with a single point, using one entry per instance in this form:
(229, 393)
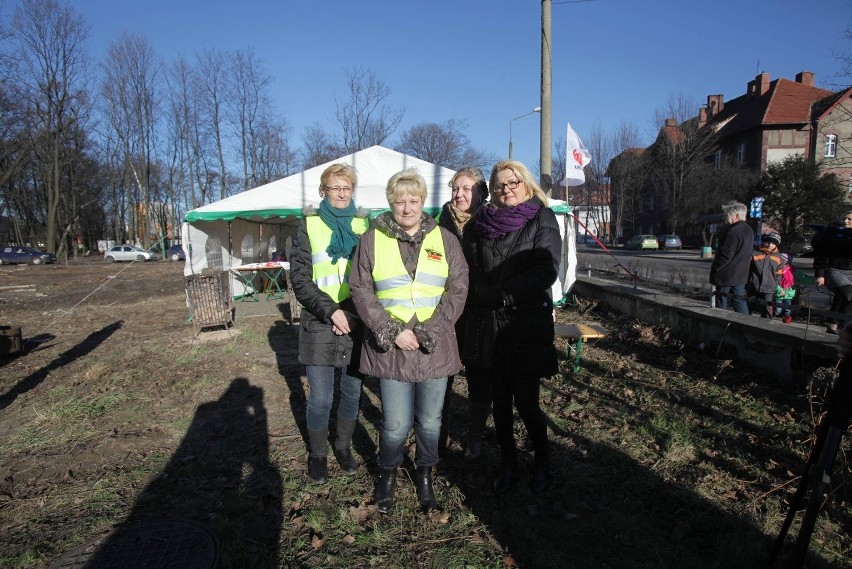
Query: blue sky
(479, 60)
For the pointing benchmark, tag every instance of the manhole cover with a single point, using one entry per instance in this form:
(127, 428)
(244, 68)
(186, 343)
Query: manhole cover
(154, 544)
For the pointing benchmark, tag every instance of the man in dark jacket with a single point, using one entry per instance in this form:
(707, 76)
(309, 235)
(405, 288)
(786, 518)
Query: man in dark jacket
(730, 268)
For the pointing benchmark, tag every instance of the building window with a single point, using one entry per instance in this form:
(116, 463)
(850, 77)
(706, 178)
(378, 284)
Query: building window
(717, 160)
(740, 152)
(830, 145)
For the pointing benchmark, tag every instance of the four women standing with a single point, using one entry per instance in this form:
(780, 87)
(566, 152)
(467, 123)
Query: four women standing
(409, 281)
(330, 333)
(408, 278)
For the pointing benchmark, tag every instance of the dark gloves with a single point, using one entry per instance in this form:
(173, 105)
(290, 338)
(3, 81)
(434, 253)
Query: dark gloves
(489, 296)
(427, 342)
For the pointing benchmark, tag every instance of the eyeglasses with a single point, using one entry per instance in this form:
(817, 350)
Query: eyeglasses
(511, 184)
(339, 190)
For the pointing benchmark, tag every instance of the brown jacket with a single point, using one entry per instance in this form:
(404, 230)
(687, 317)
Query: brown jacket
(438, 355)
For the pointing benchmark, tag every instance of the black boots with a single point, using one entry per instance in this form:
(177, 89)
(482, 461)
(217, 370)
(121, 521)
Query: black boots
(476, 419)
(318, 458)
(343, 444)
(385, 487)
(540, 477)
(506, 475)
(425, 493)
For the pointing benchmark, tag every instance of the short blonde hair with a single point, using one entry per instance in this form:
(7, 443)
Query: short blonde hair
(519, 170)
(408, 181)
(339, 171)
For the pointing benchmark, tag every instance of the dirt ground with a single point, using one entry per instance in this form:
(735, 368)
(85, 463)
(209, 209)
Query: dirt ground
(117, 412)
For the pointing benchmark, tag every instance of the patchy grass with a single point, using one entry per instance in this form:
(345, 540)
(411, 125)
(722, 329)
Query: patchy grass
(662, 456)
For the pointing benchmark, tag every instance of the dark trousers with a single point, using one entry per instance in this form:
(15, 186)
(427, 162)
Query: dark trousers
(524, 393)
(841, 300)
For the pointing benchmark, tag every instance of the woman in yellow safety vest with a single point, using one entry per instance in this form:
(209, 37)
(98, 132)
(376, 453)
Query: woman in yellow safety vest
(330, 331)
(409, 282)
(469, 191)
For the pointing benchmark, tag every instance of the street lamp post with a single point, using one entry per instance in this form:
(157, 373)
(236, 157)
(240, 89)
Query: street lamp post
(535, 110)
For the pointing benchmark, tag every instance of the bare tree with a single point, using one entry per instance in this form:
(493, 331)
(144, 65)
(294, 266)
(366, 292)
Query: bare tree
(626, 172)
(273, 157)
(212, 84)
(130, 94)
(365, 117)
(444, 144)
(680, 150)
(52, 65)
(249, 106)
(318, 147)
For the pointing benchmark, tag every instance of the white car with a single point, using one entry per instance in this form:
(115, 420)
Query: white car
(129, 253)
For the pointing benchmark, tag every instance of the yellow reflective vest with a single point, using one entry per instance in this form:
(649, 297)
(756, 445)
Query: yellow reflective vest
(332, 279)
(402, 296)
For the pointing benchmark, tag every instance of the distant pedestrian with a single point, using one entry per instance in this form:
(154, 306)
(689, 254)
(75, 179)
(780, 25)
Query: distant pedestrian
(833, 265)
(765, 272)
(729, 271)
(786, 290)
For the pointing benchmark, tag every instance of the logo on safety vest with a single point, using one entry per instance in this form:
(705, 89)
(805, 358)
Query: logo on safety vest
(433, 255)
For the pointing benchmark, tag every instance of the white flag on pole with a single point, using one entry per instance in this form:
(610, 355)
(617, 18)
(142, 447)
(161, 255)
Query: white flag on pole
(577, 157)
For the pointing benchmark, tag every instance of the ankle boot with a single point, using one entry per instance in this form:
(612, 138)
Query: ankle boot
(477, 417)
(343, 446)
(425, 493)
(506, 475)
(317, 460)
(540, 477)
(385, 486)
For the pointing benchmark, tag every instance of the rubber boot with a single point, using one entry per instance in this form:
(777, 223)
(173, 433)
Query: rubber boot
(343, 446)
(385, 487)
(318, 457)
(425, 493)
(477, 418)
(540, 477)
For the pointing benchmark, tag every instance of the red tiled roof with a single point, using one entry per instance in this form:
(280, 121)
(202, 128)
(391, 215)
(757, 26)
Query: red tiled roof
(785, 102)
(791, 102)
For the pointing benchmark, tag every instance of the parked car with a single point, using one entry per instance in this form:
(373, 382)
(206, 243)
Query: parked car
(25, 256)
(175, 253)
(641, 242)
(669, 242)
(129, 253)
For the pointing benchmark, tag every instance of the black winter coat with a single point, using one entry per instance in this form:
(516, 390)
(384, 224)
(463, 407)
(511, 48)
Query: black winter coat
(526, 264)
(733, 256)
(318, 345)
(832, 249)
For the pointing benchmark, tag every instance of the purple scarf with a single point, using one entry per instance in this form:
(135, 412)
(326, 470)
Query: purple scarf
(496, 222)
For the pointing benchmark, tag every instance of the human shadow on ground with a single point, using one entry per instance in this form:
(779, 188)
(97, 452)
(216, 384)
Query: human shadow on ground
(284, 340)
(85, 346)
(605, 509)
(220, 475)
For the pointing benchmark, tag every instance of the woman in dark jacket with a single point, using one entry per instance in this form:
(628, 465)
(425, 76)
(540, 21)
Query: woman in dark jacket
(513, 251)
(330, 332)
(469, 192)
(833, 264)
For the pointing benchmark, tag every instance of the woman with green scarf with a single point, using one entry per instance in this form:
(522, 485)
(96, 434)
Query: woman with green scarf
(330, 331)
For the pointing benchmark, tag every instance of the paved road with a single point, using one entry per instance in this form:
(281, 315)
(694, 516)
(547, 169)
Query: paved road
(683, 268)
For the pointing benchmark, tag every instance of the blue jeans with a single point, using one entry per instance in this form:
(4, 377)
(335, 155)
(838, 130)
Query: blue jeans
(411, 404)
(738, 298)
(321, 380)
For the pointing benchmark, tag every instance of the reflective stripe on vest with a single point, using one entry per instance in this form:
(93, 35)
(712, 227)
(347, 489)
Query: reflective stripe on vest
(401, 296)
(332, 279)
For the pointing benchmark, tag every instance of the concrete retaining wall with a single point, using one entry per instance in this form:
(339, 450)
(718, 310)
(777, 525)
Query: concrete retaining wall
(788, 351)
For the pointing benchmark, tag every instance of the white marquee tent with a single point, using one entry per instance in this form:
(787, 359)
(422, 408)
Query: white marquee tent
(248, 227)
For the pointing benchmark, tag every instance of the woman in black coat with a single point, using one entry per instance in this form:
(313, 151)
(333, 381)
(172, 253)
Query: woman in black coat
(513, 250)
(469, 193)
(833, 264)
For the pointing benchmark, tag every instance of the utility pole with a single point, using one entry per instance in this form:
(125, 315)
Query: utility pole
(546, 89)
